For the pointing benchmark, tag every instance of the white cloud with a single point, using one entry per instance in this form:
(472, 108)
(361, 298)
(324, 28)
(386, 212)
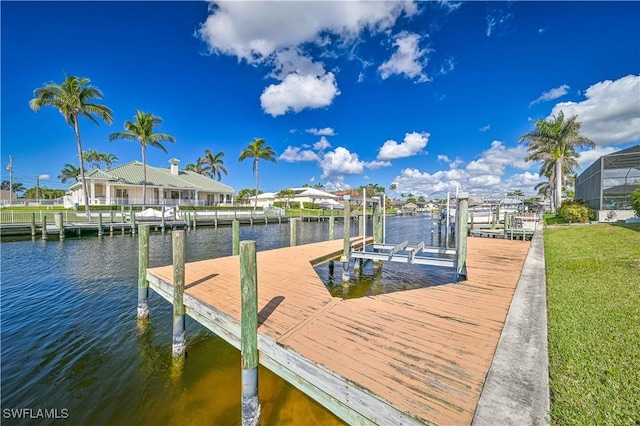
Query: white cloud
(293, 154)
(407, 59)
(450, 5)
(341, 161)
(360, 77)
(444, 158)
(413, 143)
(327, 131)
(610, 114)
(497, 158)
(293, 61)
(485, 128)
(591, 155)
(498, 22)
(322, 144)
(252, 31)
(336, 184)
(297, 92)
(551, 94)
(447, 66)
(377, 164)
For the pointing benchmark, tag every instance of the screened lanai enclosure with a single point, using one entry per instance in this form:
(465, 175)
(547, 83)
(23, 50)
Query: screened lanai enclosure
(606, 185)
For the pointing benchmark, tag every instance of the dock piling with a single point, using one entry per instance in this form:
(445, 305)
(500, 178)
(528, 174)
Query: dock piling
(44, 227)
(462, 210)
(179, 339)
(346, 251)
(100, 229)
(133, 221)
(162, 222)
(249, 333)
(61, 225)
(143, 264)
(292, 232)
(33, 224)
(235, 231)
(331, 227)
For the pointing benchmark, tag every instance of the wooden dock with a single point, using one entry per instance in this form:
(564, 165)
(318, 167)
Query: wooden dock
(414, 357)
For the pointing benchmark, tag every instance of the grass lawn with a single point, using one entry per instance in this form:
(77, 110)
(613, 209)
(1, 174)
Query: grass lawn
(554, 219)
(593, 301)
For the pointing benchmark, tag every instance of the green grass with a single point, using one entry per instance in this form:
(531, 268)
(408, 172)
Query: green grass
(554, 219)
(593, 301)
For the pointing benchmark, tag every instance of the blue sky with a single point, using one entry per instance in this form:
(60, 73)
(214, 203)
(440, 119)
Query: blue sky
(428, 95)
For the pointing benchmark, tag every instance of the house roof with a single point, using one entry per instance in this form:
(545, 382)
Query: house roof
(313, 192)
(132, 174)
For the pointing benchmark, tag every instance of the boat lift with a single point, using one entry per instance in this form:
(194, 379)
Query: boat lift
(419, 254)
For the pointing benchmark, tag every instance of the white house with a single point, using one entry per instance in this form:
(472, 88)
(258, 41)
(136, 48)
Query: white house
(301, 195)
(122, 185)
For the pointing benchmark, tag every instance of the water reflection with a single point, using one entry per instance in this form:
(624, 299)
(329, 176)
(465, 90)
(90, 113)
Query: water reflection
(71, 339)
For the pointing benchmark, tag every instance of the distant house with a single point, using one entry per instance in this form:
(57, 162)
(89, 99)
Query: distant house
(7, 196)
(410, 207)
(301, 195)
(122, 185)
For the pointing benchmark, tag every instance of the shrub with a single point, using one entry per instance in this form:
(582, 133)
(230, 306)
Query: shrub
(635, 201)
(308, 205)
(574, 211)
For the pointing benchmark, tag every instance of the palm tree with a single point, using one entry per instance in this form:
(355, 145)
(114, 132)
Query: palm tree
(556, 140)
(108, 159)
(74, 98)
(213, 164)
(257, 150)
(195, 167)
(17, 186)
(69, 171)
(142, 129)
(92, 157)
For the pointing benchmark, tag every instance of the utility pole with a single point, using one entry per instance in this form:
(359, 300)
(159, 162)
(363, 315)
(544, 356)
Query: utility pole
(10, 168)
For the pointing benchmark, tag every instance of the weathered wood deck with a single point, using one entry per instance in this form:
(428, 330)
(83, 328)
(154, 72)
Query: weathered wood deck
(419, 356)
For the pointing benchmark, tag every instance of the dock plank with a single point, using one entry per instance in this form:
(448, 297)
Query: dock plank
(420, 355)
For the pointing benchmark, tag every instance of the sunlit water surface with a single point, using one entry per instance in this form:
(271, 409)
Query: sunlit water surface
(70, 338)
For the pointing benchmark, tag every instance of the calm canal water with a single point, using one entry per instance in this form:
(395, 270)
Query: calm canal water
(70, 339)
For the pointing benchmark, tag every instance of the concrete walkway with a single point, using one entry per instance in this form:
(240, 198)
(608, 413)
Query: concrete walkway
(516, 391)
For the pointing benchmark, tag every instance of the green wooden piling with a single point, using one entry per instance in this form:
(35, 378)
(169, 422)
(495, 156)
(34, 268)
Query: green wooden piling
(195, 220)
(143, 264)
(133, 221)
(163, 225)
(100, 229)
(179, 339)
(346, 252)
(33, 224)
(462, 211)
(111, 218)
(61, 225)
(44, 227)
(249, 333)
(496, 217)
(377, 223)
(505, 225)
(331, 227)
(235, 231)
(293, 239)
(471, 228)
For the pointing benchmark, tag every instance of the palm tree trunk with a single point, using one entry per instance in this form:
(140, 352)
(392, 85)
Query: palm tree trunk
(87, 209)
(558, 184)
(255, 202)
(144, 177)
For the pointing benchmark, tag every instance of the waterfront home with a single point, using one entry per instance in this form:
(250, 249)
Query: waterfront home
(300, 195)
(122, 185)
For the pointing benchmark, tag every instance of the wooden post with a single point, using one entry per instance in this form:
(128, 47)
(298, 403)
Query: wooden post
(293, 240)
(249, 333)
(111, 218)
(331, 227)
(44, 227)
(195, 220)
(251, 218)
(462, 211)
(61, 225)
(175, 216)
(33, 224)
(432, 221)
(162, 227)
(235, 231)
(496, 217)
(179, 340)
(471, 229)
(133, 221)
(187, 219)
(143, 264)
(346, 252)
(505, 225)
(215, 220)
(361, 224)
(100, 230)
(377, 223)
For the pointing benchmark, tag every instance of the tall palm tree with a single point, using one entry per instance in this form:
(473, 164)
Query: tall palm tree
(69, 171)
(258, 151)
(74, 98)
(142, 129)
(213, 164)
(92, 157)
(556, 140)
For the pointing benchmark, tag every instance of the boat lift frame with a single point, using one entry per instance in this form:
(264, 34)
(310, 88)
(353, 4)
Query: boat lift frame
(419, 254)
